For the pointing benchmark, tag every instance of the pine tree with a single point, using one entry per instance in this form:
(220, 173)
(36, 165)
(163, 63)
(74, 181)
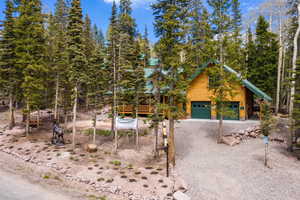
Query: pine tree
(60, 68)
(76, 55)
(112, 57)
(145, 47)
(98, 36)
(250, 53)
(233, 46)
(221, 23)
(126, 48)
(202, 46)
(266, 48)
(89, 48)
(171, 19)
(139, 82)
(97, 79)
(30, 49)
(10, 74)
(296, 111)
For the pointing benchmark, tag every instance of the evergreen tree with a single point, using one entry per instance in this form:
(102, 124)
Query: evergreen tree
(96, 83)
(126, 48)
(221, 23)
(171, 19)
(296, 111)
(58, 58)
(30, 49)
(10, 74)
(112, 57)
(98, 36)
(89, 48)
(202, 46)
(76, 55)
(233, 46)
(145, 47)
(266, 48)
(250, 53)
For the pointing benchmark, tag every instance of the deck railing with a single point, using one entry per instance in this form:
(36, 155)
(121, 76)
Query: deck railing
(142, 109)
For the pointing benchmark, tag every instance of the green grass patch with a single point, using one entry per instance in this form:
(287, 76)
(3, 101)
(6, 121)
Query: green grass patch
(115, 162)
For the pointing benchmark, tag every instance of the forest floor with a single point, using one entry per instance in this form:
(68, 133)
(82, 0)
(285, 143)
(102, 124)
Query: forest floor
(127, 174)
(219, 172)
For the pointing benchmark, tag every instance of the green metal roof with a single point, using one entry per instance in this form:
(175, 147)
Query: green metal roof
(245, 82)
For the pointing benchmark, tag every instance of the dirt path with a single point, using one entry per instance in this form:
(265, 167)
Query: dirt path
(18, 183)
(13, 187)
(219, 172)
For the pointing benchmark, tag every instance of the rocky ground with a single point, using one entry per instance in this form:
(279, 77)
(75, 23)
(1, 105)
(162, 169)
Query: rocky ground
(220, 172)
(128, 174)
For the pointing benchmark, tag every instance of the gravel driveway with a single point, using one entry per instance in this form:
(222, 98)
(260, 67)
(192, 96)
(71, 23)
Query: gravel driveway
(219, 172)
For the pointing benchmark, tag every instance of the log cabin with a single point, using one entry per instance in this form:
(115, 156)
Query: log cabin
(199, 104)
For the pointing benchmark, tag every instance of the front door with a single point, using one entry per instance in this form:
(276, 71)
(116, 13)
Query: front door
(201, 110)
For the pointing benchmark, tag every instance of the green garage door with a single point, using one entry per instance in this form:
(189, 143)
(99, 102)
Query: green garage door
(201, 110)
(234, 111)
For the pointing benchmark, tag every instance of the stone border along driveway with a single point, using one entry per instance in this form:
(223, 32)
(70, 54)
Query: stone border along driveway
(102, 176)
(219, 172)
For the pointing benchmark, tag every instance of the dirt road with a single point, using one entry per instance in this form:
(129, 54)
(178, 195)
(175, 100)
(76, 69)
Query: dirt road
(13, 187)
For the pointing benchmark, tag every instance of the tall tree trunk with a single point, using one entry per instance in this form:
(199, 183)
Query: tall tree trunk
(74, 115)
(279, 67)
(295, 54)
(220, 129)
(94, 127)
(38, 118)
(56, 98)
(137, 126)
(87, 102)
(114, 129)
(11, 112)
(66, 120)
(27, 119)
(171, 141)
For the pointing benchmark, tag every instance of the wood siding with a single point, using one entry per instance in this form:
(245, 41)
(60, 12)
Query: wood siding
(199, 91)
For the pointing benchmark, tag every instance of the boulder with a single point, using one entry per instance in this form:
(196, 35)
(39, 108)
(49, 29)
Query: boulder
(181, 196)
(231, 141)
(91, 148)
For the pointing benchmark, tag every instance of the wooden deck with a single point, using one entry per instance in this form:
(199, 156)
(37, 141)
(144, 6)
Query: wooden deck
(142, 109)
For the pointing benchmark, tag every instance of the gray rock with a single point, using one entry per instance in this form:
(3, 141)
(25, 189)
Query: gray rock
(180, 196)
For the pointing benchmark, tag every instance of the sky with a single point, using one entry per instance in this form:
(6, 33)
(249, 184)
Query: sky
(100, 10)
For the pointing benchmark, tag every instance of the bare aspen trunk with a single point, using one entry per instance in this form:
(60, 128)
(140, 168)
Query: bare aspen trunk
(279, 67)
(66, 120)
(266, 155)
(137, 127)
(171, 140)
(156, 127)
(114, 129)
(220, 129)
(56, 98)
(27, 120)
(94, 127)
(38, 118)
(74, 115)
(87, 102)
(11, 112)
(283, 66)
(295, 54)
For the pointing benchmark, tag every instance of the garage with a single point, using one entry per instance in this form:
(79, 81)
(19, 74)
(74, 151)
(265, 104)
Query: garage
(234, 108)
(201, 110)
